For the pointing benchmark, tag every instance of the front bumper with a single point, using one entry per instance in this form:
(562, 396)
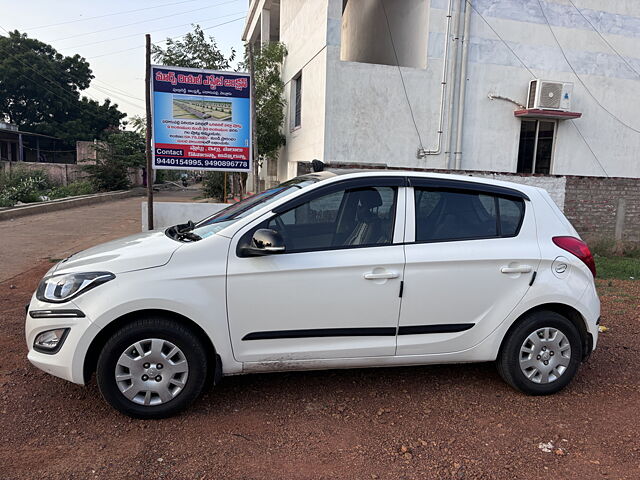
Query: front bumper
(65, 362)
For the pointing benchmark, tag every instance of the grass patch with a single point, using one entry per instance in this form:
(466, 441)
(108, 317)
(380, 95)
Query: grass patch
(622, 268)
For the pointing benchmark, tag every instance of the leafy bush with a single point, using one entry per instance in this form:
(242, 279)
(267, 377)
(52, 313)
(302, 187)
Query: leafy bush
(120, 151)
(23, 186)
(80, 187)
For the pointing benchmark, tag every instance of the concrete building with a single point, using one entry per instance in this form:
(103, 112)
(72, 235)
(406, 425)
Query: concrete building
(445, 83)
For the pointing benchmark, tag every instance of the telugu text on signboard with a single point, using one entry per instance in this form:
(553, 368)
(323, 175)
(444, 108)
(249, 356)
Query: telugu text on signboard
(201, 119)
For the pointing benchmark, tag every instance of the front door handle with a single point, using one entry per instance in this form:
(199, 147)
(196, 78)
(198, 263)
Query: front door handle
(380, 276)
(518, 269)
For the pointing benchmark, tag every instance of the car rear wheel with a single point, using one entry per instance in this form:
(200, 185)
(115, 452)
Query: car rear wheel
(541, 355)
(152, 368)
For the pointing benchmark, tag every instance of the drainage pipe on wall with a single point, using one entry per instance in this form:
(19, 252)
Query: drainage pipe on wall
(443, 87)
(457, 154)
(454, 82)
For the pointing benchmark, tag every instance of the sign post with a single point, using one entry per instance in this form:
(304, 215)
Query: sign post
(149, 170)
(201, 119)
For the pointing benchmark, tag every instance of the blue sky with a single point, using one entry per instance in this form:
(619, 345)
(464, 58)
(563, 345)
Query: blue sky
(113, 44)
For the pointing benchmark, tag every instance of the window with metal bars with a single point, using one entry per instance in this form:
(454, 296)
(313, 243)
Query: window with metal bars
(535, 153)
(297, 101)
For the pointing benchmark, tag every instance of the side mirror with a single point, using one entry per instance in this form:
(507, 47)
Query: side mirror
(264, 242)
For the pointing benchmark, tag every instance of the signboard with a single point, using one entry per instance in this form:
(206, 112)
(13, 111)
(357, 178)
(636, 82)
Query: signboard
(201, 119)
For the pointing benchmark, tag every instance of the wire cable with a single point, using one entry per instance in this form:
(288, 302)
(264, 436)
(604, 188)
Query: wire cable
(142, 21)
(404, 87)
(111, 40)
(604, 39)
(613, 115)
(162, 41)
(109, 15)
(533, 76)
(42, 76)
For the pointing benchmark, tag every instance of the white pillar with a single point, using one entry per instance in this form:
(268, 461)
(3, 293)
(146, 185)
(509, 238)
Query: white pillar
(265, 26)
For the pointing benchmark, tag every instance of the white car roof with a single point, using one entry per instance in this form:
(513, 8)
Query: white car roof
(336, 174)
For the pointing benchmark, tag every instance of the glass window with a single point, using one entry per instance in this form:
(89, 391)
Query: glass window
(452, 215)
(511, 215)
(297, 104)
(236, 211)
(351, 217)
(536, 146)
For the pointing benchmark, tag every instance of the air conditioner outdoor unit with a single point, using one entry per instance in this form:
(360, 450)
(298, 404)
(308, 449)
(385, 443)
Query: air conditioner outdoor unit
(548, 95)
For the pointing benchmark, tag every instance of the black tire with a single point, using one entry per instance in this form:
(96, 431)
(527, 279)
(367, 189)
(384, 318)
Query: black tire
(146, 328)
(508, 362)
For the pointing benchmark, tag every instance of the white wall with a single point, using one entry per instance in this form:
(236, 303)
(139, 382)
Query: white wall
(167, 214)
(357, 112)
(365, 24)
(303, 29)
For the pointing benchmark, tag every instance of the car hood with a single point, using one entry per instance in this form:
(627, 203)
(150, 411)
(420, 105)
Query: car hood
(136, 252)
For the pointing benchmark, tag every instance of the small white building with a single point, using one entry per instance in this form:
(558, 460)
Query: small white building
(445, 83)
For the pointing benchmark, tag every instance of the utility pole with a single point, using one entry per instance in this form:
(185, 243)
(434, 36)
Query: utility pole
(254, 136)
(149, 127)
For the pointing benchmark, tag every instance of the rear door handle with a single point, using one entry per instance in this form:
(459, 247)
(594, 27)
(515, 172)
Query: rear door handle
(383, 275)
(519, 269)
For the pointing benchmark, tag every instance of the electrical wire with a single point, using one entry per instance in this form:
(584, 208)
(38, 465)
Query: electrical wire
(110, 15)
(533, 76)
(404, 87)
(71, 97)
(156, 30)
(161, 41)
(143, 21)
(604, 39)
(42, 76)
(117, 96)
(613, 115)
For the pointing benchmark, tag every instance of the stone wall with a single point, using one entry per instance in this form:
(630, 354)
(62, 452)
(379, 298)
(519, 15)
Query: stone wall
(63, 173)
(604, 209)
(601, 209)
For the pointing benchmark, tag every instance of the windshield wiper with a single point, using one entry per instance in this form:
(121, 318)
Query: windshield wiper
(194, 237)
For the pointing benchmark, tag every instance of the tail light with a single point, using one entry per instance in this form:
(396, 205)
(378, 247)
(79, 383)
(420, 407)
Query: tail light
(578, 248)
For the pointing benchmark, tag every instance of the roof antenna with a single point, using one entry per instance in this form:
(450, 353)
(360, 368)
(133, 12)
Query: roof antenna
(317, 165)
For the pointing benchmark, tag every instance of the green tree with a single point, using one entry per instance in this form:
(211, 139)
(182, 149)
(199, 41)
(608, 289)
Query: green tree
(115, 155)
(196, 51)
(269, 98)
(40, 91)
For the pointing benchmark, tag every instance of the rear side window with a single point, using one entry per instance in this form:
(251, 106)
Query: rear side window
(511, 214)
(443, 215)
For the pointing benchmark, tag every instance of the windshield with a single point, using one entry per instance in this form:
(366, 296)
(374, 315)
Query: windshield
(235, 212)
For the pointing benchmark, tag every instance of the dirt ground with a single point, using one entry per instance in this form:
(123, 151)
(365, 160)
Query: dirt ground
(441, 422)
(27, 240)
(438, 422)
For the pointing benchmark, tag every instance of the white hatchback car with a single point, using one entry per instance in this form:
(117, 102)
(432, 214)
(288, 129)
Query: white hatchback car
(325, 271)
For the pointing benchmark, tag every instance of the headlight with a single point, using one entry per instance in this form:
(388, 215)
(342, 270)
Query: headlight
(64, 287)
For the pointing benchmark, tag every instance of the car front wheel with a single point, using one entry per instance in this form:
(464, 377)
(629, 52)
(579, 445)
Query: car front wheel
(541, 355)
(152, 368)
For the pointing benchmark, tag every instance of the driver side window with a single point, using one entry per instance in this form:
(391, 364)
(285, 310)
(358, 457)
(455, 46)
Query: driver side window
(346, 218)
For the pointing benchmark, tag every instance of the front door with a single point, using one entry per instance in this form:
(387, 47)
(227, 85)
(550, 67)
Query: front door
(469, 263)
(334, 292)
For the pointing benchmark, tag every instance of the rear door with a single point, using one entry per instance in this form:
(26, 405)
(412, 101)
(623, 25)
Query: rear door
(471, 253)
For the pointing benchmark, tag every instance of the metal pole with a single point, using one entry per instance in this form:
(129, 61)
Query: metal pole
(254, 136)
(149, 126)
(224, 189)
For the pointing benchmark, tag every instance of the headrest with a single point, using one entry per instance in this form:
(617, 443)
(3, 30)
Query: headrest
(370, 198)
